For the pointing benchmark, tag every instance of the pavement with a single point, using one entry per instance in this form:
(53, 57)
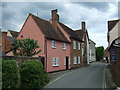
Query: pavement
(109, 81)
(92, 76)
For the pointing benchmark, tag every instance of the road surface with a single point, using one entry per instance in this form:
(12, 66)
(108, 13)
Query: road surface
(87, 77)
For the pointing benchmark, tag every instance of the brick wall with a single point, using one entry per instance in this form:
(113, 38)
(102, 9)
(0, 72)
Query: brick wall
(75, 52)
(21, 59)
(115, 67)
(118, 66)
(5, 42)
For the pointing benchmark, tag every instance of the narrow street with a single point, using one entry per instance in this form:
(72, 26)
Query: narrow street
(87, 77)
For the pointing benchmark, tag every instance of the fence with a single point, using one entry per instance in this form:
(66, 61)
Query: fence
(21, 59)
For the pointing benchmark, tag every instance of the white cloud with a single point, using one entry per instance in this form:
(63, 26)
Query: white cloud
(72, 14)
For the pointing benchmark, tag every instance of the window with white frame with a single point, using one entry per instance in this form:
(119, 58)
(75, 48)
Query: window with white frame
(78, 46)
(78, 59)
(65, 61)
(74, 44)
(64, 46)
(75, 60)
(53, 44)
(55, 61)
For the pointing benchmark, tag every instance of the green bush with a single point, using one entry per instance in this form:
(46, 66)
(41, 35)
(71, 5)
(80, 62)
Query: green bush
(32, 75)
(10, 74)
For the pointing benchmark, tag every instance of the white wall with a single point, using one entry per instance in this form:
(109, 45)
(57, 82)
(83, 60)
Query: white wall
(88, 57)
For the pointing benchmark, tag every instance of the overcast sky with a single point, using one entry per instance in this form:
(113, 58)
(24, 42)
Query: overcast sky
(95, 14)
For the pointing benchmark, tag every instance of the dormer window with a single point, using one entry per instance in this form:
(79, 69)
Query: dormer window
(64, 46)
(74, 44)
(53, 44)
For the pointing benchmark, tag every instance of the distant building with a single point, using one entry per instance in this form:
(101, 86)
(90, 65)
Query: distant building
(8, 39)
(106, 55)
(92, 50)
(12, 33)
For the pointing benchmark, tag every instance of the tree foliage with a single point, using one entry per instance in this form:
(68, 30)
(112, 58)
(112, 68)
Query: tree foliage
(99, 52)
(25, 47)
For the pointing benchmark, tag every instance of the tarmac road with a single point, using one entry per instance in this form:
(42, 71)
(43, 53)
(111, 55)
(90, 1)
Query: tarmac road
(87, 77)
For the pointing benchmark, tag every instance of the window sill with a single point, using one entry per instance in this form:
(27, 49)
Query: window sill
(53, 47)
(63, 48)
(55, 65)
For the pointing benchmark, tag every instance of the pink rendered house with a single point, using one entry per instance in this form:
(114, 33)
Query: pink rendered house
(54, 44)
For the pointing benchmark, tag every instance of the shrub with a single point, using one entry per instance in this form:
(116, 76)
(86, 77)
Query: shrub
(10, 74)
(32, 75)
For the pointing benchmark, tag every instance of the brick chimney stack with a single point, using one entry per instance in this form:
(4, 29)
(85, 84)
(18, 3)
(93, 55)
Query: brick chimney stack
(55, 18)
(83, 25)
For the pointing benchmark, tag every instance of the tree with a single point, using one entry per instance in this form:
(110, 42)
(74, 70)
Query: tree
(25, 47)
(99, 53)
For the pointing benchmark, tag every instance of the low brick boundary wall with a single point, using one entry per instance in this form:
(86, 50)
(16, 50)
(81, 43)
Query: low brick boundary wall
(21, 59)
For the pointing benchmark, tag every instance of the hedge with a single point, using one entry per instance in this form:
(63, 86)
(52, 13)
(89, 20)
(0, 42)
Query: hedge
(32, 74)
(10, 74)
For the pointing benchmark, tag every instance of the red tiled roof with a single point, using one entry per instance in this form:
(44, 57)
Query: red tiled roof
(80, 33)
(70, 32)
(48, 31)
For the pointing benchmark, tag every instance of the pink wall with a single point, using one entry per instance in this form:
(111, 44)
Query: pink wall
(57, 52)
(32, 31)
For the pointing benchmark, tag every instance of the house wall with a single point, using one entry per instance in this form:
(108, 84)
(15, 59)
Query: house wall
(5, 42)
(85, 60)
(32, 31)
(9, 34)
(119, 28)
(0, 37)
(114, 33)
(75, 52)
(92, 51)
(88, 51)
(115, 66)
(57, 52)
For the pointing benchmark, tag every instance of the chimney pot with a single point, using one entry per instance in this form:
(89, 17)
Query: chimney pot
(83, 25)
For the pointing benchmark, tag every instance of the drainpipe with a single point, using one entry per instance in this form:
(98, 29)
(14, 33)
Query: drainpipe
(45, 44)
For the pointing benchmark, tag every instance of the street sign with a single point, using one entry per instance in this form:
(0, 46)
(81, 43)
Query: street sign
(112, 54)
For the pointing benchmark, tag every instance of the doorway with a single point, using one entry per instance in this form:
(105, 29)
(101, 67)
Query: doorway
(67, 63)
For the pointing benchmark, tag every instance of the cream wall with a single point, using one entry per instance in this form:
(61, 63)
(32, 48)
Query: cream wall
(9, 34)
(114, 33)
